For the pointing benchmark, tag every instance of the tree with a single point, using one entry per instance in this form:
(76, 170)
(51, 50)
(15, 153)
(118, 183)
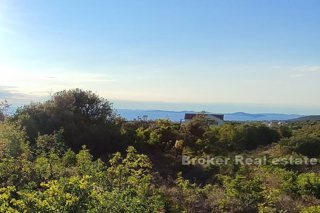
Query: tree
(129, 184)
(3, 109)
(285, 131)
(13, 141)
(163, 134)
(86, 119)
(194, 130)
(54, 143)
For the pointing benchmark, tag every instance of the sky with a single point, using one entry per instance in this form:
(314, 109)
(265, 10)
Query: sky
(213, 55)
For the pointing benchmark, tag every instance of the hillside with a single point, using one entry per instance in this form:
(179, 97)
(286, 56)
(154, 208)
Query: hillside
(307, 118)
(80, 156)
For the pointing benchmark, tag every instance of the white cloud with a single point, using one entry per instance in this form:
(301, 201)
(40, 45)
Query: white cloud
(298, 75)
(307, 68)
(276, 67)
(41, 83)
(304, 70)
(13, 96)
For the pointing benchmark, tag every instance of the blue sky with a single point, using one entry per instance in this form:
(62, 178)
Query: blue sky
(254, 56)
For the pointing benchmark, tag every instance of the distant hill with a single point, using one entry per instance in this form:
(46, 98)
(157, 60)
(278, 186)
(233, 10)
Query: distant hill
(241, 116)
(307, 118)
(179, 115)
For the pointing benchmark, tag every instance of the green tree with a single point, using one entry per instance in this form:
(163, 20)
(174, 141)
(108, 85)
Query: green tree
(86, 119)
(129, 181)
(285, 131)
(13, 142)
(53, 143)
(3, 110)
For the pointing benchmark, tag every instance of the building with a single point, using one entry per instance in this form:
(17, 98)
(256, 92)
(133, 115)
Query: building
(215, 119)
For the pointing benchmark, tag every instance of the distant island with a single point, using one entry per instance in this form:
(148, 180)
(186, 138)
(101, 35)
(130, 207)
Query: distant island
(130, 114)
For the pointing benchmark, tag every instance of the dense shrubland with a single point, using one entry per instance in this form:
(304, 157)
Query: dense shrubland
(73, 153)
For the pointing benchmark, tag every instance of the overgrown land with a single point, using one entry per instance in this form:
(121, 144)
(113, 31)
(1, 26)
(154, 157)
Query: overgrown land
(73, 153)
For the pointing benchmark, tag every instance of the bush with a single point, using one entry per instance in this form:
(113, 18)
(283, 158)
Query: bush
(13, 141)
(311, 209)
(309, 184)
(305, 145)
(247, 192)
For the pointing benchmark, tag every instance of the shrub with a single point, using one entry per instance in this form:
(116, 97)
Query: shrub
(305, 145)
(309, 184)
(311, 209)
(248, 192)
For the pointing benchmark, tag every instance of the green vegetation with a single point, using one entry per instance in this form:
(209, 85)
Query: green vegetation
(72, 153)
(307, 118)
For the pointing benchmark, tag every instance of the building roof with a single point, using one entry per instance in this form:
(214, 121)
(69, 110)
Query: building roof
(190, 116)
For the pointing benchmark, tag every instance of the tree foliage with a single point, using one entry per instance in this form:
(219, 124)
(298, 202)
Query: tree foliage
(86, 119)
(4, 106)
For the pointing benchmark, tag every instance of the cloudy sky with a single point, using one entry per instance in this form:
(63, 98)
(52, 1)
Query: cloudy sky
(254, 56)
